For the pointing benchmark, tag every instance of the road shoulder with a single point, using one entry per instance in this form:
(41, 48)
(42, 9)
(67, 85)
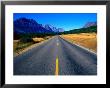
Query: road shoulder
(30, 47)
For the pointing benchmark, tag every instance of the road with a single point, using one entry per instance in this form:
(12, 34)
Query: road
(56, 57)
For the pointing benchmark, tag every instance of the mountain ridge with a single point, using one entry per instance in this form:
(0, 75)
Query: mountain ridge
(24, 25)
(89, 24)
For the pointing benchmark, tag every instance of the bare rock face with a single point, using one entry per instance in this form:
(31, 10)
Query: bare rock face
(26, 26)
(89, 24)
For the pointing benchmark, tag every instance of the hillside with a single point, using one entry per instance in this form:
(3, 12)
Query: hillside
(82, 30)
(24, 27)
(89, 24)
(88, 40)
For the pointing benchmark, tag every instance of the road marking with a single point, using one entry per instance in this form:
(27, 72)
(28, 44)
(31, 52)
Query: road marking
(57, 65)
(57, 43)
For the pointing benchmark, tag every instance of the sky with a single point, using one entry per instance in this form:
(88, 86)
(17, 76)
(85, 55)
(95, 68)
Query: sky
(67, 21)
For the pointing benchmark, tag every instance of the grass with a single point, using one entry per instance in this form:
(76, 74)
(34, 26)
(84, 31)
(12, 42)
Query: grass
(88, 40)
(19, 46)
(36, 40)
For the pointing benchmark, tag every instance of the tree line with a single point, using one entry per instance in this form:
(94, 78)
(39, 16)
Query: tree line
(32, 35)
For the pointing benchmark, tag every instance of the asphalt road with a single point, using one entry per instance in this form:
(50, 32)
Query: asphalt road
(41, 60)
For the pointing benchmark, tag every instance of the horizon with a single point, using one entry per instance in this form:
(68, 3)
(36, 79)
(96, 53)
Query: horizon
(67, 21)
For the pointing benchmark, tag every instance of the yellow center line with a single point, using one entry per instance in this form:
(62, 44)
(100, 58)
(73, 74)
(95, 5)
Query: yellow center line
(57, 65)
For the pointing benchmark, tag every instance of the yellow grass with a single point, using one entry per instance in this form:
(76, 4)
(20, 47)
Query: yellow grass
(88, 40)
(38, 39)
(23, 47)
(15, 44)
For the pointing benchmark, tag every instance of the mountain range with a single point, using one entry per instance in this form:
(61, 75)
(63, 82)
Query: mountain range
(89, 24)
(25, 26)
(30, 26)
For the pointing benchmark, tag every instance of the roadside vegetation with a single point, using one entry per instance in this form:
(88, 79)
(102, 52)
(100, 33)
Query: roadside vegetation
(88, 40)
(86, 37)
(24, 42)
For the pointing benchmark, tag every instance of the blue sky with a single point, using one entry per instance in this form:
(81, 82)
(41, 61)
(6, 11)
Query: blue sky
(67, 21)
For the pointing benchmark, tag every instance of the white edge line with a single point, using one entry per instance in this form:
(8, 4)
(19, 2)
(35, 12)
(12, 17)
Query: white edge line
(85, 48)
(81, 47)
